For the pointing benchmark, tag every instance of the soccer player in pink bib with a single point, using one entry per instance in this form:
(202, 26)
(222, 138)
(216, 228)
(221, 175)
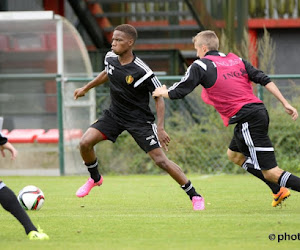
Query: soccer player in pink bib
(226, 85)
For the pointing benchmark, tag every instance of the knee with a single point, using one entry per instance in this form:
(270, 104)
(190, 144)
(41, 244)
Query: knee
(162, 162)
(84, 144)
(230, 156)
(236, 158)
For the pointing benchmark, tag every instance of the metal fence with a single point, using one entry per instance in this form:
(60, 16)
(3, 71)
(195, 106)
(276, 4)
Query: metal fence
(198, 138)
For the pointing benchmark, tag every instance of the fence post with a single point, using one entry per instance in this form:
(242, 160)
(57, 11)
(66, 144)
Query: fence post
(260, 92)
(60, 125)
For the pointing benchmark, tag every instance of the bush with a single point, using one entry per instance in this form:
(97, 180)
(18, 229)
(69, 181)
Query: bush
(200, 147)
(285, 136)
(199, 140)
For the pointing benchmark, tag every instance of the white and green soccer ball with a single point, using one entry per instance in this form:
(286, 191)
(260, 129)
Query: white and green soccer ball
(31, 198)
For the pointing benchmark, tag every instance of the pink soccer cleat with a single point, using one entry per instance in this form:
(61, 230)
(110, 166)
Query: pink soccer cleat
(198, 203)
(86, 188)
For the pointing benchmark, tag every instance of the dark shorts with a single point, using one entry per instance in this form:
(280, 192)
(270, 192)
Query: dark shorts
(145, 134)
(251, 139)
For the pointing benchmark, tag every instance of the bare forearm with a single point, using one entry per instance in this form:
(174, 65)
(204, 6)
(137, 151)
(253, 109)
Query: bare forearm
(160, 110)
(272, 88)
(100, 79)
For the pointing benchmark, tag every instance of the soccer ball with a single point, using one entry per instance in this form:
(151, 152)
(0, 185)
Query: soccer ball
(31, 198)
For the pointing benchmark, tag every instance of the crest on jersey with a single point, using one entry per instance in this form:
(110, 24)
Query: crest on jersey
(129, 79)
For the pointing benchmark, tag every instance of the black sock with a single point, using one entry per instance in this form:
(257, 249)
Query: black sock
(93, 169)
(249, 167)
(10, 203)
(190, 190)
(290, 181)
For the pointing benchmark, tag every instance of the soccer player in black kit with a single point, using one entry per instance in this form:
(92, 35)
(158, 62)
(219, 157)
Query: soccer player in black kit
(10, 203)
(131, 85)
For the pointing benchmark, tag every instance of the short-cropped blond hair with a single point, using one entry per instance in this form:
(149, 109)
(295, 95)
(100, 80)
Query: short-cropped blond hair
(208, 38)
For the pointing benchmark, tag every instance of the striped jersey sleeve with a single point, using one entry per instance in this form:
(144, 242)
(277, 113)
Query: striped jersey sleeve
(108, 54)
(187, 84)
(148, 75)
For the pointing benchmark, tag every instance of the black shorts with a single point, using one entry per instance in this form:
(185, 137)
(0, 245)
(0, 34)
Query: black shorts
(251, 139)
(145, 134)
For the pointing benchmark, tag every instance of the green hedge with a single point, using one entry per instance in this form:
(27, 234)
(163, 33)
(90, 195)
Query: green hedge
(201, 147)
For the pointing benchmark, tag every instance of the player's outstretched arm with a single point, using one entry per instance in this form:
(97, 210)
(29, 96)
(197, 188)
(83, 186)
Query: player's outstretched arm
(100, 79)
(161, 91)
(272, 88)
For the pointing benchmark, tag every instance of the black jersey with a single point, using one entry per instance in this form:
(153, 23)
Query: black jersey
(130, 88)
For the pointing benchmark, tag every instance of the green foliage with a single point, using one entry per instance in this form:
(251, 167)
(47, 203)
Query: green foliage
(285, 136)
(123, 157)
(201, 147)
(257, 8)
(197, 147)
(244, 49)
(266, 49)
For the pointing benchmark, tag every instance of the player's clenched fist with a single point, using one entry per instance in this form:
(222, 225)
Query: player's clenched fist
(79, 93)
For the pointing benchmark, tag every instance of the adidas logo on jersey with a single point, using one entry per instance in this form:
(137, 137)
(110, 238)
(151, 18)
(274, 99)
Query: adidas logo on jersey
(152, 142)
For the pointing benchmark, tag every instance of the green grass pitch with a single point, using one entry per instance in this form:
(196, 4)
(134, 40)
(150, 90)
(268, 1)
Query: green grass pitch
(152, 212)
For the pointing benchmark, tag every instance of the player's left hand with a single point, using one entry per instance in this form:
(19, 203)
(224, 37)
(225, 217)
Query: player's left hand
(291, 111)
(164, 138)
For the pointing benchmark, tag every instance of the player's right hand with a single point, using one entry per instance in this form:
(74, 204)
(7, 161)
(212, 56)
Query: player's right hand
(79, 93)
